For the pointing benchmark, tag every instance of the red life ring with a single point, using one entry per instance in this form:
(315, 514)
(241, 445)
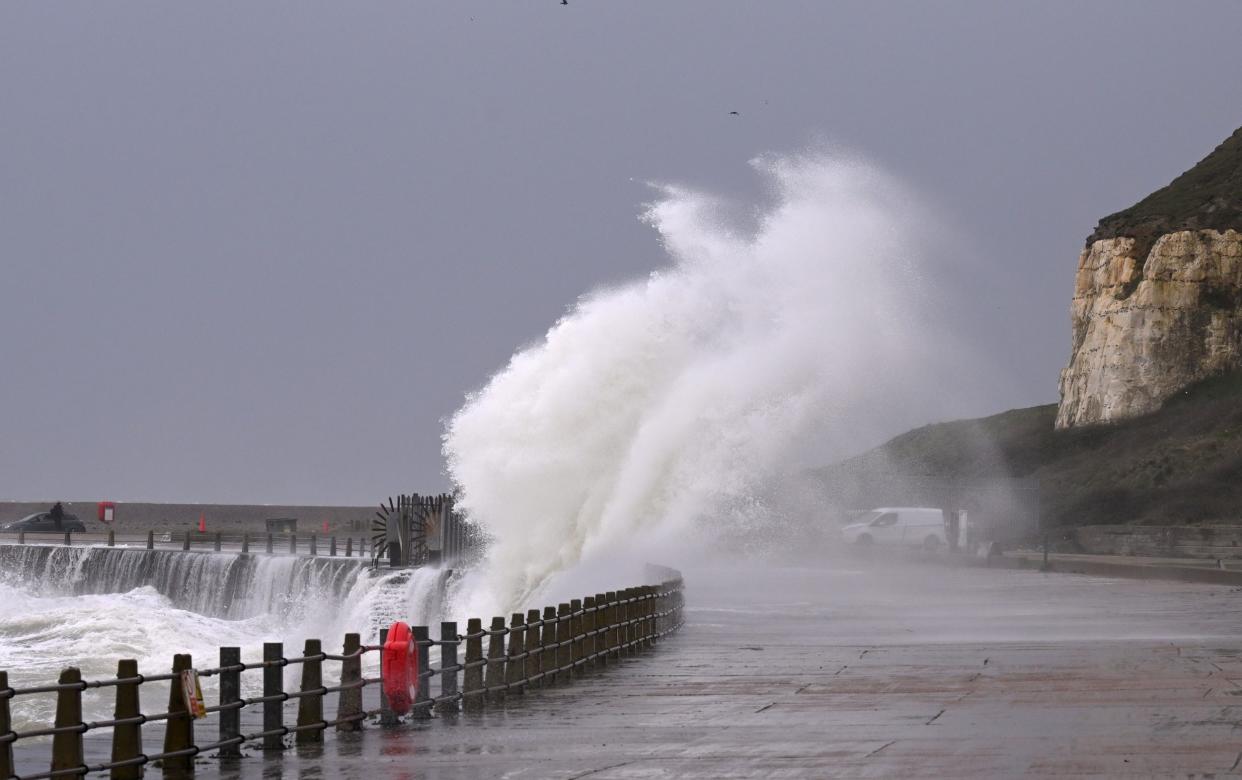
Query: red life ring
(399, 668)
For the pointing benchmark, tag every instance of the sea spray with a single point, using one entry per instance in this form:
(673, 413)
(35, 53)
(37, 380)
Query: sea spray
(679, 397)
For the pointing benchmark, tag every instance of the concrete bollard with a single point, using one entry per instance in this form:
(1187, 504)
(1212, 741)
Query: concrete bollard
(534, 649)
(565, 644)
(273, 685)
(6, 727)
(310, 707)
(67, 746)
(126, 737)
(230, 693)
(472, 678)
(179, 728)
(496, 661)
(515, 674)
(350, 702)
(448, 660)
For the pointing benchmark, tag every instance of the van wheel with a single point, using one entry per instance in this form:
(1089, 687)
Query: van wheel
(864, 540)
(931, 543)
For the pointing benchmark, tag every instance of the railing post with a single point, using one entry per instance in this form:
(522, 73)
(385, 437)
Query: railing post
(601, 629)
(219, 539)
(68, 538)
(534, 649)
(564, 644)
(179, 728)
(67, 747)
(516, 671)
(496, 661)
(588, 633)
(448, 659)
(21, 537)
(150, 540)
(310, 708)
(274, 685)
(611, 636)
(332, 547)
(349, 704)
(230, 693)
(314, 545)
(6, 727)
(422, 635)
(269, 544)
(547, 656)
(111, 538)
(349, 547)
(472, 679)
(293, 544)
(623, 621)
(387, 716)
(575, 631)
(245, 542)
(185, 543)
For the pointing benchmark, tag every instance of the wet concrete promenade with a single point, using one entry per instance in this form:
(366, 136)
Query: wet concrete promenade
(865, 670)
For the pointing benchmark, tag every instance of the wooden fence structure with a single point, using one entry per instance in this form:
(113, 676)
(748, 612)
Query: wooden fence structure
(501, 664)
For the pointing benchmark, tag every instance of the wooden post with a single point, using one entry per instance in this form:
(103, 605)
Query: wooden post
(588, 633)
(349, 547)
(496, 661)
(601, 629)
(293, 544)
(111, 538)
(179, 729)
(269, 544)
(564, 640)
(611, 636)
(387, 716)
(472, 679)
(332, 547)
(245, 542)
(218, 541)
(68, 538)
(310, 708)
(6, 727)
(273, 685)
(631, 613)
(185, 543)
(448, 659)
(422, 635)
(21, 537)
(516, 670)
(150, 540)
(575, 631)
(230, 693)
(314, 545)
(547, 658)
(350, 701)
(67, 747)
(534, 649)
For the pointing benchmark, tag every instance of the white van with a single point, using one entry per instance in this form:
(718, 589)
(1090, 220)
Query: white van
(898, 525)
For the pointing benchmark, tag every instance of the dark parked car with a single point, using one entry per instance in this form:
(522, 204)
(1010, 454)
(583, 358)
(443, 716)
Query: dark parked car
(44, 523)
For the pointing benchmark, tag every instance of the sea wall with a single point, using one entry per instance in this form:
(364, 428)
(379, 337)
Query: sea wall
(139, 517)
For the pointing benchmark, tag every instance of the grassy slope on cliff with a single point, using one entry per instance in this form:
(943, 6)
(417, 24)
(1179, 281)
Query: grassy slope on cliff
(1181, 464)
(1208, 196)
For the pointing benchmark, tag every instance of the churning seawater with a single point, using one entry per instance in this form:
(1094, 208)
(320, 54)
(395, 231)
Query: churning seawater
(91, 606)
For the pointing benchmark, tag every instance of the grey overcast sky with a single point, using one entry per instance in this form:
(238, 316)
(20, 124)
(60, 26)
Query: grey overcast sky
(259, 251)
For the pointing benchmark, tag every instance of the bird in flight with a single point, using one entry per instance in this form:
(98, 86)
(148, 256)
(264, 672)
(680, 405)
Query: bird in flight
(734, 113)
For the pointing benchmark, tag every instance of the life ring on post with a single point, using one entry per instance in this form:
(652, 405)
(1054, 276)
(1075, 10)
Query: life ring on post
(399, 668)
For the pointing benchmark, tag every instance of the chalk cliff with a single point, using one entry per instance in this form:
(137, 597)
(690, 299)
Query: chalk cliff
(1158, 297)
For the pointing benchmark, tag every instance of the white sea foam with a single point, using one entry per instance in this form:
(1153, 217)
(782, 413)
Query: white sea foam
(679, 397)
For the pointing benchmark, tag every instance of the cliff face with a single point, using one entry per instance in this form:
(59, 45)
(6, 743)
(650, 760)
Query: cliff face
(1158, 297)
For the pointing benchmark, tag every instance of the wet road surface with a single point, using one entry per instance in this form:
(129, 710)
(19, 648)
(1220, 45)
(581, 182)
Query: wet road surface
(863, 670)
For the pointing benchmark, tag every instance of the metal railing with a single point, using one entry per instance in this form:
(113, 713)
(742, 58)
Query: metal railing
(243, 542)
(534, 650)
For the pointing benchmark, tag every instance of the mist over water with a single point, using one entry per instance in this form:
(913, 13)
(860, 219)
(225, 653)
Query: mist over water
(666, 411)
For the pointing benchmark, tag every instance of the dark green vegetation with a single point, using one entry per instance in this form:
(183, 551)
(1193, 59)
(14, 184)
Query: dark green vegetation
(1208, 196)
(1182, 464)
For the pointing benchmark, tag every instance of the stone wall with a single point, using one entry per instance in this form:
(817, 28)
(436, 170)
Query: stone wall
(1208, 541)
(1146, 327)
